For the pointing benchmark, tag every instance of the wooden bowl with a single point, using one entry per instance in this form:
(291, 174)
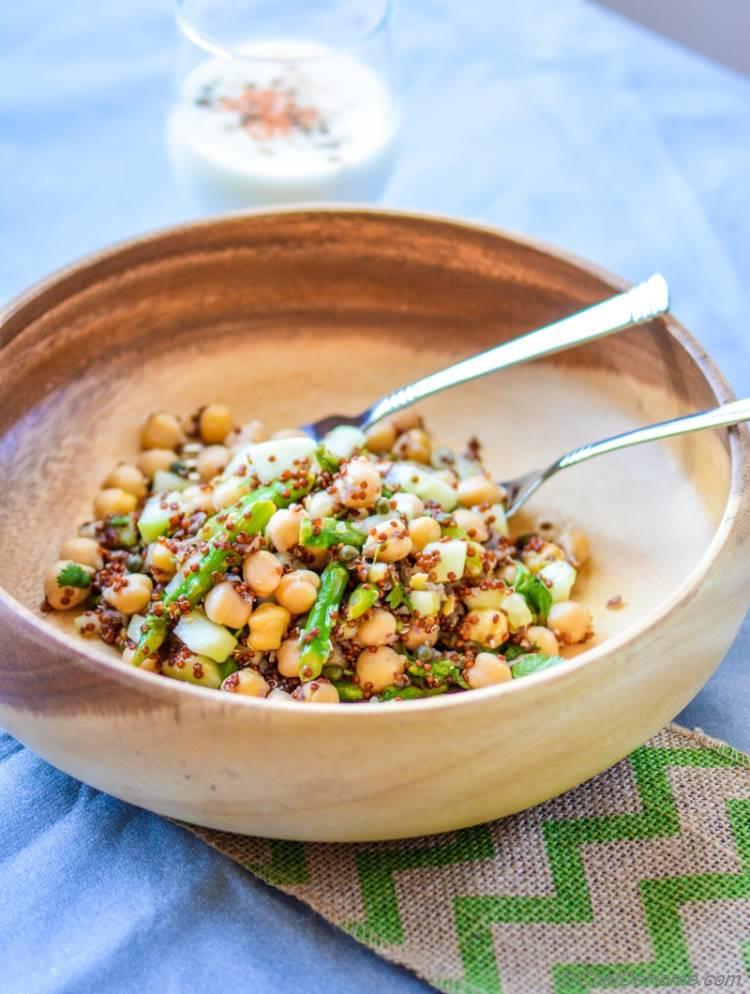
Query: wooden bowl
(292, 314)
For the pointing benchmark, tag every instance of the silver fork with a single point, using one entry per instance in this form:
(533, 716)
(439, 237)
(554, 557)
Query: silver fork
(520, 489)
(643, 302)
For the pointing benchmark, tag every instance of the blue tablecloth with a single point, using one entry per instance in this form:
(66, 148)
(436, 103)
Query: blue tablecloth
(552, 117)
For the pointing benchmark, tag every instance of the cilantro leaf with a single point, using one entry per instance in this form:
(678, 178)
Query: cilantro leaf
(533, 590)
(396, 597)
(73, 575)
(328, 461)
(533, 662)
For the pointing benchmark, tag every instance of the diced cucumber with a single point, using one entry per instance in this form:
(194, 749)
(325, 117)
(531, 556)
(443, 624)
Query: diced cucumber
(344, 440)
(196, 669)
(484, 600)
(241, 458)
(417, 480)
(271, 459)
(155, 516)
(474, 559)
(165, 479)
(452, 559)
(425, 602)
(409, 505)
(559, 577)
(204, 637)
(517, 611)
(361, 600)
(134, 628)
(497, 521)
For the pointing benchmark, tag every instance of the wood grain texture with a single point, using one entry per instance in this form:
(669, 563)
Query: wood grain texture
(292, 314)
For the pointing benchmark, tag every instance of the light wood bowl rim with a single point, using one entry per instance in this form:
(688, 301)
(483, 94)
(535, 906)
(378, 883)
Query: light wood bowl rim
(164, 690)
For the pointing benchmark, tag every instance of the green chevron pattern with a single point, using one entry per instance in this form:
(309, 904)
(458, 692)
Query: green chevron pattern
(661, 898)
(320, 875)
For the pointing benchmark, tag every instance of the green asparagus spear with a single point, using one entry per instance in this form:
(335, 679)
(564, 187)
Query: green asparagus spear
(282, 494)
(325, 532)
(440, 669)
(250, 519)
(349, 691)
(409, 693)
(315, 640)
(361, 600)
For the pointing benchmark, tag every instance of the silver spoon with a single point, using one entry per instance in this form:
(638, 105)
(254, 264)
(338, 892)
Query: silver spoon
(643, 302)
(520, 489)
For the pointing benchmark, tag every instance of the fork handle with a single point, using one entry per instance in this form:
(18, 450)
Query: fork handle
(641, 303)
(717, 417)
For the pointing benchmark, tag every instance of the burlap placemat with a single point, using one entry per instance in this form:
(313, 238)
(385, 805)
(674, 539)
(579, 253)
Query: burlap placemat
(637, 879)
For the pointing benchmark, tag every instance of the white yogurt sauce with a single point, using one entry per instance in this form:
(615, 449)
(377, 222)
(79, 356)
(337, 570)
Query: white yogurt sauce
(267, 131)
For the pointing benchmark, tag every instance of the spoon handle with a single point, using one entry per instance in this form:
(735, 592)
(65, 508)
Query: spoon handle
(718, 417)
(637, 305)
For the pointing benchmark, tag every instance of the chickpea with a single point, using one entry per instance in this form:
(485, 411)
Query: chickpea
(248, 682)
(389, 541)
(162, 431)
(262, 572)
(297, 590)
(83, 550)
(488, 670)
(422, 632)
(88, 624)
(62, 598)
(415, 445)
(212, 460)
(153, 459)
(224, 605)
(317, 692)
(381, 437)
(252, 432)
(379, 669)
(161, 561)
(478, 489)
(214, 423)
(472, 523)
(360, 486)
(406, 420)
(112, 500)
(130, 594)
(543, 639)
(422, 531)
(570, 621)
(287, 658)
(575, 544)
(268, 623)
(229, 491)
(379, 628)
(537, 558)
(150, 664)
(485, 627)
(283, 529)
(128, 478)
(315, 558)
